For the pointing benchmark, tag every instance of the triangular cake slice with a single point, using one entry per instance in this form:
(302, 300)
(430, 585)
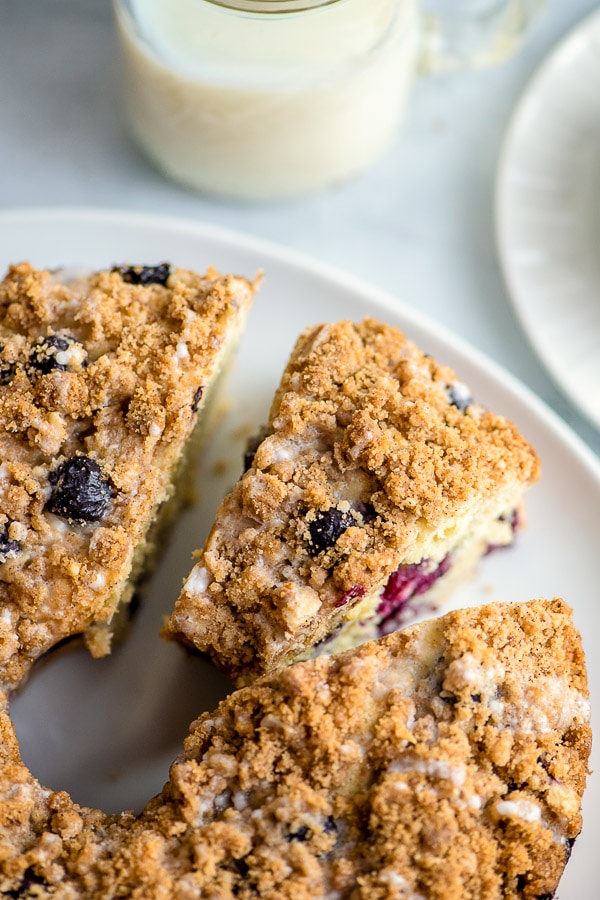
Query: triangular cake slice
(102, 380)
(377, 486)
(446, 761)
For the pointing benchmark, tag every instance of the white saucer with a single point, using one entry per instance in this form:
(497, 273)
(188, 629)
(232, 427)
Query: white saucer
(548, 214)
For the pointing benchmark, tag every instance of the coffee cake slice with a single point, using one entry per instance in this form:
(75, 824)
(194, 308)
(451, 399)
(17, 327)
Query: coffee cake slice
(376, 487)
(446, 761)
(102, 379)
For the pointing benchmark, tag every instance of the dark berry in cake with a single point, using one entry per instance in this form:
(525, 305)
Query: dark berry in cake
(326, 528)
(354, 593)
(252, 446)
(145, 274)
(7, 372)
(197, 398)
(7, 369)
(300, 835)
(406, 582)
(29, 880)
(367, 511)
(329, 826)
(46, 354)
(459, 396)
(8, 548)
(80, 492)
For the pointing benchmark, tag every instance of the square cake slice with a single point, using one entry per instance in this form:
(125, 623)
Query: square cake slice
(446, 761)
(376, 487)
(102, 379)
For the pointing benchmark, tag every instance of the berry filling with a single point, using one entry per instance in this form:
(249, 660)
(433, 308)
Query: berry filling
(403, 584)
(8, 548)
(514, 521)
(357, 591)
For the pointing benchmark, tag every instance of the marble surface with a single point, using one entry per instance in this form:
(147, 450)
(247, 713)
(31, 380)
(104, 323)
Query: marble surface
(418, 224)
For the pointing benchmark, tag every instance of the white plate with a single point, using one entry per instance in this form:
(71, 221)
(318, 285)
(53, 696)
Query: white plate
(548, 215)
(107, 729)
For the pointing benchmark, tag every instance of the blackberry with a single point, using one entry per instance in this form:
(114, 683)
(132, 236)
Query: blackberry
(327, 526)
(44, 356)
(80, 493)
(8, 548)
(144, 274)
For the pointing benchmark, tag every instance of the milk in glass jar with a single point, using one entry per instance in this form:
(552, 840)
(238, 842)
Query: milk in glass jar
(266, 99)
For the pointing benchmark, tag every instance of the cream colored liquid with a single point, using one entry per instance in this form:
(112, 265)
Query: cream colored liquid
(262, 107)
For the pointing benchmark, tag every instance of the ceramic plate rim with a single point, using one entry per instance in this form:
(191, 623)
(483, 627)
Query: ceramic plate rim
(587, 26)
(327, 272)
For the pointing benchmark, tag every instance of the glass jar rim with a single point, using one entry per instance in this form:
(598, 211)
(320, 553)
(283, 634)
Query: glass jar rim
(272, 6)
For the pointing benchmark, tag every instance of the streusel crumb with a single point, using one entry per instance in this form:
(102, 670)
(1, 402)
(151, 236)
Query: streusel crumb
(101, 379)
(377, 478)
(445, 762)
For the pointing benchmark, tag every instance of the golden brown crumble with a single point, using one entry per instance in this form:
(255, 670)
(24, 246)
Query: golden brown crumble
(368, 428)
(446, 761)
(106, 373)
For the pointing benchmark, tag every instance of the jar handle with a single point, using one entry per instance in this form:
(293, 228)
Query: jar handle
(473, 34)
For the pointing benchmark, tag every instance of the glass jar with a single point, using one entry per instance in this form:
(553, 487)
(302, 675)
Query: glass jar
(265, 99)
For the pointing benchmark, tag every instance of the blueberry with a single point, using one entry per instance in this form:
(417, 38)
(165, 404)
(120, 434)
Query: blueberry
(8, 548)
(304, 833)
(326, 528)
(459, 396)
(449, 698)
(29, 880)
(144, 274)
(329, 826)
(44, 354)
(367, 511)
(80, 493)
(7, 372)
(513, 519)
(197, 398)
(240, 867)
(252, 446)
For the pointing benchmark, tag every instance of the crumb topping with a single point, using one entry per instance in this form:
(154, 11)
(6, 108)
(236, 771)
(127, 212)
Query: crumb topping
(96, 400)
(374, 455)
(388, 771)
